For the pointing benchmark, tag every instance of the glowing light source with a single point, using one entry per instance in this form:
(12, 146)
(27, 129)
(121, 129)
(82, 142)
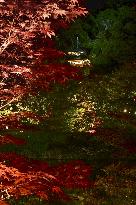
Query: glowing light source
(75, 53)
(79, 62)
(125, 110)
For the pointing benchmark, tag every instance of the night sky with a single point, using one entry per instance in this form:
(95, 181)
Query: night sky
(95, 4)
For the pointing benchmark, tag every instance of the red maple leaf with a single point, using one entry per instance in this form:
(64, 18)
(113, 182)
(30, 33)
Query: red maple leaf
(23, 177)
(9, 139)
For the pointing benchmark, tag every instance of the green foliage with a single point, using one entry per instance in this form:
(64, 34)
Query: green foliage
(117, 3)
(108, 37)
(69, 112)
(115, 39)
(113, 92)
(65, 134)
(66, 39)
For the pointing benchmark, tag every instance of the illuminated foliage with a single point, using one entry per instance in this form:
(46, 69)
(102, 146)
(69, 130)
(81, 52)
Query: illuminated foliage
(26, 27)
(24, 24)
(23, 177)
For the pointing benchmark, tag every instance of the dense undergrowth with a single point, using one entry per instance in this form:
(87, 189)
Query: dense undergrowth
(91, 123)
(67, 134)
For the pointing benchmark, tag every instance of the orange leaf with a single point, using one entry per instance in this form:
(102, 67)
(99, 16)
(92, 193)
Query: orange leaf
(42, 195)
(3, 202)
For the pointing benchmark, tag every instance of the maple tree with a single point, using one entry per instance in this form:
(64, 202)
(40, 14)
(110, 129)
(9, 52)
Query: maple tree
(26, 29)
(23, 177)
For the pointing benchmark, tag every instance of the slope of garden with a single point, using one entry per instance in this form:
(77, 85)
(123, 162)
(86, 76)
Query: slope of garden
(67, 134)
